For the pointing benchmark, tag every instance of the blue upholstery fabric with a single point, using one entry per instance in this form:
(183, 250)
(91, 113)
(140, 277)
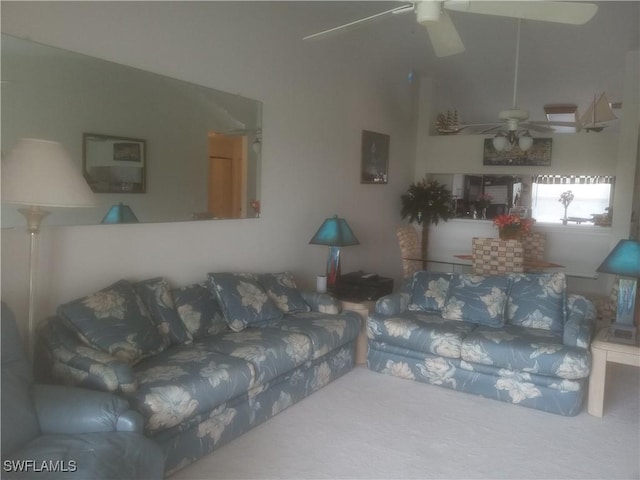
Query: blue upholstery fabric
(324, 333)
(244, 302)
(542, 368)
(528, 349)
(199, 310)
(422, 332)
(282, 289)
(429, 291)
(477, 299)
(116, 321)
(198, 395)
(155, 293)
(537, 300)
(185, 381)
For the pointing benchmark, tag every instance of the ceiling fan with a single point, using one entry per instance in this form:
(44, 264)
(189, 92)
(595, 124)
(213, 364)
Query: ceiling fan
(433, 14)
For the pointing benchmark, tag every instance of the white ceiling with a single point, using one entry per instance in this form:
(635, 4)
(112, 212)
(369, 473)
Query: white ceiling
(558, 63)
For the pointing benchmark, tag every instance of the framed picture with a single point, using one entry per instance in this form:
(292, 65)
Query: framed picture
(375, 158)
(113, 164)
(538, 155)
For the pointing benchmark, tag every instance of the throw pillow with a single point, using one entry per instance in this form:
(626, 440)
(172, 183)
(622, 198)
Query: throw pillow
(116, 321)
(244, 302)
(429, 291)
(199, 310)
(477, 299)
(282, 289)
(156, 295)
(537, 300)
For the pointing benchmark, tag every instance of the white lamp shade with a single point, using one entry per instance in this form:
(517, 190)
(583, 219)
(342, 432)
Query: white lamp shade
(41, 173)
(525, 142)
(499, 143)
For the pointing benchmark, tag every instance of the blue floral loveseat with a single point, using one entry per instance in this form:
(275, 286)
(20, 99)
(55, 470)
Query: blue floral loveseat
(518, 338)
(204, 363)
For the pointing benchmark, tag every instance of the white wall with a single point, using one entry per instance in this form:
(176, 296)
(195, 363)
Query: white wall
(317, 100)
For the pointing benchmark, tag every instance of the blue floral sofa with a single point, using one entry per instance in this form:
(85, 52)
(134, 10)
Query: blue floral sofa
(519, 338)
(204, 363)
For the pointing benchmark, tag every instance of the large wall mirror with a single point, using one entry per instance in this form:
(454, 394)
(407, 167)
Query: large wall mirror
(170, 150)
(537, 196)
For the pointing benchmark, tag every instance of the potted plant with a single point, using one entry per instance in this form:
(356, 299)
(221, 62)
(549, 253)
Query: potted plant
(512, 227)
(426, 202)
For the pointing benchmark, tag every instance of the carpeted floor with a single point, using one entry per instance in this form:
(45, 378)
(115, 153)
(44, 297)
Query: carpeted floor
(367, 425)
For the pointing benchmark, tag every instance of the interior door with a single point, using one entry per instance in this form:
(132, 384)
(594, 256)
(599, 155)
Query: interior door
(227, 177)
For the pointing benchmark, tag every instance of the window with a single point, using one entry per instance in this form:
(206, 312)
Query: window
(592, 199)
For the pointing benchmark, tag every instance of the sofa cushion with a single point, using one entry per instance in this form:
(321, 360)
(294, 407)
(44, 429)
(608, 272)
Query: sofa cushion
(531, 350)
(271, 352)
(477, 299)
(244, 302)
(185, 381)
(156, 296)
(282, 289)
(429, 291)
(537, 300)
(326, 332)
(419, 332)
(199, 311)
(116, 321)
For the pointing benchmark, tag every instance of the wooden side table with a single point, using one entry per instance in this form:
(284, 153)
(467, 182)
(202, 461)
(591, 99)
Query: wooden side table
(362, 308)
(602, 352)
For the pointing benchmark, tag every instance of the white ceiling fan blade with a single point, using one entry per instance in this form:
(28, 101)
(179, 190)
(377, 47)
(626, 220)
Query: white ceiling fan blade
(444, 36)
(357, 23)
(574, 13)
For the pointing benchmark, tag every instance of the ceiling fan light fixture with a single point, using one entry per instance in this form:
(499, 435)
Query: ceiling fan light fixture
(525, 142)
(508, 140)
(500, 142)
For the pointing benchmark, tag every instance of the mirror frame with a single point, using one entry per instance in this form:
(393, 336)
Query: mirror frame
(101, 171)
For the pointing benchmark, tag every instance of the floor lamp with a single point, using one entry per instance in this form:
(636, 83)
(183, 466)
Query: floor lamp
(36, 174)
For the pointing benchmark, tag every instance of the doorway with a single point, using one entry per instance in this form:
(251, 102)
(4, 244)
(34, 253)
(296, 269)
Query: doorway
(227, 175)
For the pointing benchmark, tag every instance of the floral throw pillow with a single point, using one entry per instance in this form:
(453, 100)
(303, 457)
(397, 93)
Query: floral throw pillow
(429, 291)
(156, 295)
(477, 299)
(116, 321)
(199, 310)
(244, 302)
(537, 300)
(282, 289)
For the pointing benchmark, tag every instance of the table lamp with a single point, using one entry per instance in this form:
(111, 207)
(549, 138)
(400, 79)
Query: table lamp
(120, 213)
(40, 173)
(624, 260)
(336, 233)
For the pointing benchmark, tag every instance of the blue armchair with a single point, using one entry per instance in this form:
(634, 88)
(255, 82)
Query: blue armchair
(51, 431)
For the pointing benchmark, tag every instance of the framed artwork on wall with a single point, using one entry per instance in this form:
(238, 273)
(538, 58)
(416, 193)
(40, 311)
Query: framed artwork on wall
(375, 158)
(538, 155)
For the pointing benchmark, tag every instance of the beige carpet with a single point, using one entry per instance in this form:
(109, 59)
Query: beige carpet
(367, 425)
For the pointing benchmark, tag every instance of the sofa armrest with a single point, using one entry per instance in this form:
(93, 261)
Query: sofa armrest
(322, 302)
(61, 357)
(68, 410)
(393, 304)
(580, 321)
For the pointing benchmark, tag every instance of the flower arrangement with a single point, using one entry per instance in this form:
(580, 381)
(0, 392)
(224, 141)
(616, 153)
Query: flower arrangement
(512, 226)
(483, 201)
(566, 198)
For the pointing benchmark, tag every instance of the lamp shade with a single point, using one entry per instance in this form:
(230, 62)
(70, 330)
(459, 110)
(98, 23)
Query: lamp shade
(334, 232)
(120, 213)
(41, 173)
(623, 260)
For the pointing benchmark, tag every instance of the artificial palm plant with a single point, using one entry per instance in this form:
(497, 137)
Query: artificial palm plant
(426, 202)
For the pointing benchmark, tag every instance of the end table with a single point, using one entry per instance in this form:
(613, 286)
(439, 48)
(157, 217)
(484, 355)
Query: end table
(362, 308)
(603, 351)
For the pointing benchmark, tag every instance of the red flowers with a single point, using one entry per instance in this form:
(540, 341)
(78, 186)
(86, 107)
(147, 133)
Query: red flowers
(513, 224)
